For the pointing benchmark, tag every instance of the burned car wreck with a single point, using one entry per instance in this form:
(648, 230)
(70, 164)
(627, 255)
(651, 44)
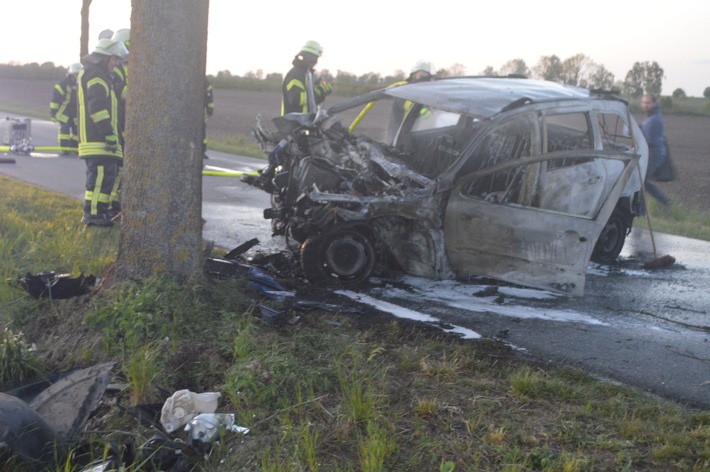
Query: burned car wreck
(519, 180)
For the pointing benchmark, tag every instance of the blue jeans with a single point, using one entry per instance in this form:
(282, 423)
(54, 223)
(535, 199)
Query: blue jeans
(651, 189)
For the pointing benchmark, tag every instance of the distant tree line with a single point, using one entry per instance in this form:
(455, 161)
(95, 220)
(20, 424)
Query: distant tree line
(45, 71)
(578, 70)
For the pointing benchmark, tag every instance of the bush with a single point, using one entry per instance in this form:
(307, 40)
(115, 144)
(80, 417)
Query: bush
(666, 103)
(679, 93)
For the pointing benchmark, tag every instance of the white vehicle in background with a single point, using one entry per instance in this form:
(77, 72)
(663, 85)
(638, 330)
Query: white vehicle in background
(519, 180)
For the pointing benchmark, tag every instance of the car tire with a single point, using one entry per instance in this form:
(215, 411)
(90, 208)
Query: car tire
(611, 240)
(342, 257)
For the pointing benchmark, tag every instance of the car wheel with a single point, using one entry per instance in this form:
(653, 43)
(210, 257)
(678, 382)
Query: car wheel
(346, 256)
(611, 240)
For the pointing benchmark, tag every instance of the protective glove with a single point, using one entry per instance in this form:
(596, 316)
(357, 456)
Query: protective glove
(323, 87)
(111, 143)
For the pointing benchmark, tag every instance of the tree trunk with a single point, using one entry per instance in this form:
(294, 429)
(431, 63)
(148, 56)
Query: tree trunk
(161, 229)
(84, 39)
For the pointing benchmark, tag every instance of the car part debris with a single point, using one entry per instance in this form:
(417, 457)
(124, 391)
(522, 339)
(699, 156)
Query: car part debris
(241, 249)
(162, 454)
(184, 405)
(259, 280)
(26, 434)
(57, 286)
(204, 429)
(42, 430)
(67, 404)
(278, 318)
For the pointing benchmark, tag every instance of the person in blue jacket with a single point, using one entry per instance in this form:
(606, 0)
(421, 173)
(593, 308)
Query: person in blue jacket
(654, 130)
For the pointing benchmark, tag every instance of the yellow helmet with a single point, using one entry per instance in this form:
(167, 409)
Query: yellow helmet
(313, 47)
(123, 36)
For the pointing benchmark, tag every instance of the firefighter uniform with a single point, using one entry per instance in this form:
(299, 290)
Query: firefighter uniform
(301, 92)
(120, 85)
(62, 110)
(98, 129)
(209, 111)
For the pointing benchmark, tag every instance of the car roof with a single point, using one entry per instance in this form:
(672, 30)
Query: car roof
(486, 96)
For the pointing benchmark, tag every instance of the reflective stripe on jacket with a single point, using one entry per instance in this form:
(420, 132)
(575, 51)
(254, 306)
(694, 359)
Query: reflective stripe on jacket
(63, 104)
(299, 94)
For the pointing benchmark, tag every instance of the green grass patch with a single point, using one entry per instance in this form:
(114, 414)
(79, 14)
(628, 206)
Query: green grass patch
(236, 145)
(678, 219)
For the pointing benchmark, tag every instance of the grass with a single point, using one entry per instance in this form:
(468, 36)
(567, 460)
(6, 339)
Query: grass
(678, 219)
(236, 145)
(335, 392)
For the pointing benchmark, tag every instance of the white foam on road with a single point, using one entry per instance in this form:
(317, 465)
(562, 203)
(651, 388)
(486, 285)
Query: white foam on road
(461, 296)
(406, 313)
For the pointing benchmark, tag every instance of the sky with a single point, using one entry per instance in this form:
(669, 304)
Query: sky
(386, 36)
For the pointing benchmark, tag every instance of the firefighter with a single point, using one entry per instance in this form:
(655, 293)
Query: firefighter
(120, 85)
(420, 72)
(301, 90)
(98, 128)
(62, 110)
(209, 111)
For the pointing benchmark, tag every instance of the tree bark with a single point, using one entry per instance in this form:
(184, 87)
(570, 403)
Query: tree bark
(161, 228)
(84, 39)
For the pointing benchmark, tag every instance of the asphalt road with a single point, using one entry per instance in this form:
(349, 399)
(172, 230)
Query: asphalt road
(645, 328)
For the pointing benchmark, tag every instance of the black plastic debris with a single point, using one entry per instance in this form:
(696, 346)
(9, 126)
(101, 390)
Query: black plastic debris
(42, 431)
(67, 404)
(241, 249)
(57, 286)
(26, 434)
(274, 317)
(163, 454)
(258, 279)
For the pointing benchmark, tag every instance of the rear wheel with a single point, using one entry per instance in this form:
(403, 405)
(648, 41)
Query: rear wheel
(346, 256)
(611, 240)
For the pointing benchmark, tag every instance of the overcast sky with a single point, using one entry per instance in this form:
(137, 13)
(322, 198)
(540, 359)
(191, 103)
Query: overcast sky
(384, 36)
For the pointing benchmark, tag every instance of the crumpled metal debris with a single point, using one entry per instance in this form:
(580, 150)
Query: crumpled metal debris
(184, 405)
(57, 286)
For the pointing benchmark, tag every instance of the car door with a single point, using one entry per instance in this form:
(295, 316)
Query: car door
(533, 220)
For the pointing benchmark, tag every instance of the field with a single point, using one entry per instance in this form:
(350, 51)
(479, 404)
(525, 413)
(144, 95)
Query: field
(236, 111)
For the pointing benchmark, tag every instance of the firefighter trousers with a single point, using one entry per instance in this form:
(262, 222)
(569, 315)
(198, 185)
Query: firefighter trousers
(101, 173)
